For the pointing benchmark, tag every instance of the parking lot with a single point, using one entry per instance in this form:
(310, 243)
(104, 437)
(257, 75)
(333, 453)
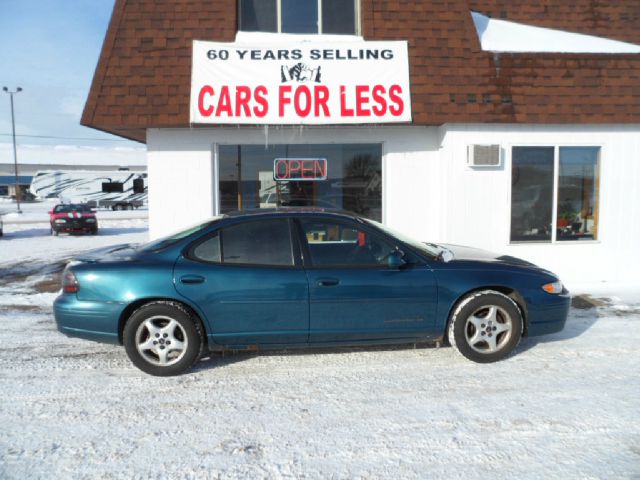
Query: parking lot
(565, 406)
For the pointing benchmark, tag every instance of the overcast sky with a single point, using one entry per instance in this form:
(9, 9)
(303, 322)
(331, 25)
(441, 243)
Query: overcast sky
(50, 48)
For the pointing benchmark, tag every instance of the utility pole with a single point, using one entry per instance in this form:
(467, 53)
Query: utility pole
(15, 154)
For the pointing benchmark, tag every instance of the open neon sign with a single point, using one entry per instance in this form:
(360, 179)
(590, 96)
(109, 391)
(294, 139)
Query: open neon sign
(300, 169)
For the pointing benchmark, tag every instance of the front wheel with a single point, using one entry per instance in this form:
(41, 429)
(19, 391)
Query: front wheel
(163, 339)
(486, 326)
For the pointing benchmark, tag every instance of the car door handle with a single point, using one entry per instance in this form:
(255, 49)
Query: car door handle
(328, 282)
(191, 279)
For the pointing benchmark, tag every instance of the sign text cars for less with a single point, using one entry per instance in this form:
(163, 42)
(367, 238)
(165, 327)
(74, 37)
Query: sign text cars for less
(310, 83)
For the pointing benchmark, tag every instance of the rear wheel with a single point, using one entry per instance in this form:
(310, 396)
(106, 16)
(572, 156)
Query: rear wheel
(163, 339)
(486, 326)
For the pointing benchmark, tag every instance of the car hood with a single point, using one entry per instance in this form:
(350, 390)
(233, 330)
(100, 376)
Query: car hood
(462, 253)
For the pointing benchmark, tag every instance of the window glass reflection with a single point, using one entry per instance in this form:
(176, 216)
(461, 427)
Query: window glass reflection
(338, 17)
(531, 193)
(299, 16)
(578, 190)
(258, 16)
(354, 178)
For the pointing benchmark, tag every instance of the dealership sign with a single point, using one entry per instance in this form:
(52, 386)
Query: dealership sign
(307, 83)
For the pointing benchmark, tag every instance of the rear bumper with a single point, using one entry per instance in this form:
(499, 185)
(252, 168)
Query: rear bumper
(549, 316)
(91, 320)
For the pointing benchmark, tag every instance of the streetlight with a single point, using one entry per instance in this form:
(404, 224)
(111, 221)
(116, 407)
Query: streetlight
(15, 155)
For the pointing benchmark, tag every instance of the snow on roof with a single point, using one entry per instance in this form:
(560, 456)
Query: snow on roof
(505, 36)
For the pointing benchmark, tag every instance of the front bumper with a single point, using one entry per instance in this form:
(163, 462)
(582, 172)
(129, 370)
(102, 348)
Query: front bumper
(76, 226)
(549, 315)
(91, 320)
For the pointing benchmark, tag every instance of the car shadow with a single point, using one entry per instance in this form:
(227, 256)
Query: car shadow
(46, 232)
(583, 315)
(229, 357)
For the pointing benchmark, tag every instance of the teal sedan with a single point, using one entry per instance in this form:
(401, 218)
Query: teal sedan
(273, 279)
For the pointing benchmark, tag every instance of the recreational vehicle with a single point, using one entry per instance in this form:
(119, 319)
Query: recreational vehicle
(118, 190)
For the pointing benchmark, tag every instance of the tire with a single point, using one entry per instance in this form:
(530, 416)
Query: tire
(129, 207)
(94, 231)
(119, 207)
(54, 232)
(152, 323)
(485, 326)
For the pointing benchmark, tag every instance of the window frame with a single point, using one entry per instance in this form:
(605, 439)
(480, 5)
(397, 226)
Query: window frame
(556, 181)
(293, 238)
(357, 19)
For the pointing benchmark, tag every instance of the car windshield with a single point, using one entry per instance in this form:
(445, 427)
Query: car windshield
(429, 249)
(72, 208)
(169, 240)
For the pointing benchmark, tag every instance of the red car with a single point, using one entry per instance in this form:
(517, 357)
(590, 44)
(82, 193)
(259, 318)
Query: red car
(73, 218)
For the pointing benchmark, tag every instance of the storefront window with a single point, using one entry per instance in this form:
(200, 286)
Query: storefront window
(578, 190)
(531, 193)
(298, 16)
(533, 173)
(353, 178)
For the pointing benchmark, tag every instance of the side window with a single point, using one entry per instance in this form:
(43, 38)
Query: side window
(339, 244)
(262, 242)
(208, 251)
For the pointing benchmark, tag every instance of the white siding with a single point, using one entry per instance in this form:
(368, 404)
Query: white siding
(477, 206)
(428, 189)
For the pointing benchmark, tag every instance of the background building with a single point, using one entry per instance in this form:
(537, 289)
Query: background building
(517, 128)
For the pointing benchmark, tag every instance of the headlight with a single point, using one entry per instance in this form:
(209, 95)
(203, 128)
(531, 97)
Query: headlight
(90, 220)
(553, 288)
(59, 220)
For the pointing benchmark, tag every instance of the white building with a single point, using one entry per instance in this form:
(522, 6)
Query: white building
(531, 152)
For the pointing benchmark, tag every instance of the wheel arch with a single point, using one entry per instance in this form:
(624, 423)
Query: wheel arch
(135, 305)
(510, 292)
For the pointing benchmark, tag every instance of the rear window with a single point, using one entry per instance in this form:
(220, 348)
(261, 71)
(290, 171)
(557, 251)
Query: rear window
(169, 240)
(262, 242)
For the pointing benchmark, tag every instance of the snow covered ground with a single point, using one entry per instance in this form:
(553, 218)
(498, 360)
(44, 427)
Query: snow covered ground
(565, 406)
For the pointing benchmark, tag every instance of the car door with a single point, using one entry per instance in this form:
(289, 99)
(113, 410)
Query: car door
(246, 280)
(354, 294)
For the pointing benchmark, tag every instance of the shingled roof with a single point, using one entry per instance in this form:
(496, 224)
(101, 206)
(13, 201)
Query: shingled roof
(143, 75)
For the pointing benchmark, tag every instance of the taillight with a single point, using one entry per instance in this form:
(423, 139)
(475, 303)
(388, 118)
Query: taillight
(70, 282)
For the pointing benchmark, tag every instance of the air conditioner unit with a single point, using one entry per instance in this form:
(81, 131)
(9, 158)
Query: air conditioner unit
(483, 156)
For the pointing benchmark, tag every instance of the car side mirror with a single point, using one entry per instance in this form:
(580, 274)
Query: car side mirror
(395, 260)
